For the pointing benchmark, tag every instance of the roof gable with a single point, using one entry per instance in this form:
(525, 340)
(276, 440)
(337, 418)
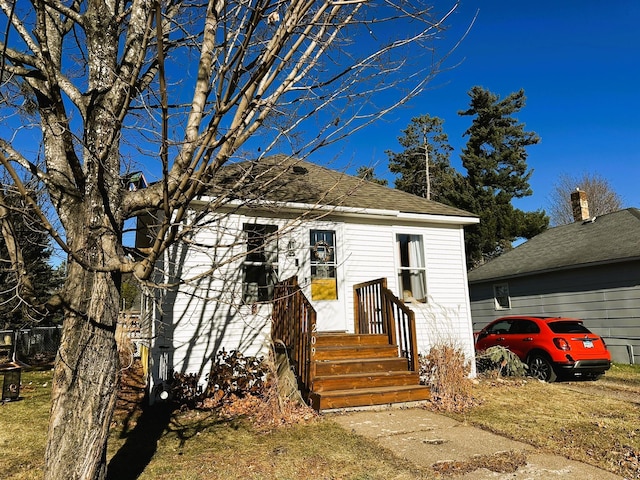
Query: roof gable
(285, 179)
(610, 238)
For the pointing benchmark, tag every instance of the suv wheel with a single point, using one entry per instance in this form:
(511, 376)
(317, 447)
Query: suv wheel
(540, 367)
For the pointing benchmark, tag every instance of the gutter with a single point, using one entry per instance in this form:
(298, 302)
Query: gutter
(342, 211)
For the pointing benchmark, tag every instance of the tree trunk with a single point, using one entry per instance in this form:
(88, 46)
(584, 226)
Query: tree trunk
(86, 371)
(85, 378)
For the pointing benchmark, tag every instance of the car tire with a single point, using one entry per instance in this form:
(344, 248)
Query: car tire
(541, 368)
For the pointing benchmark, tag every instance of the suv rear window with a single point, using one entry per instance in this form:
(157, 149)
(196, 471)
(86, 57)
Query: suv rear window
(568, 327)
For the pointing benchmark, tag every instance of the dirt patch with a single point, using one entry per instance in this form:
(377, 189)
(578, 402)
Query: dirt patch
(131, 389)
(500, 462)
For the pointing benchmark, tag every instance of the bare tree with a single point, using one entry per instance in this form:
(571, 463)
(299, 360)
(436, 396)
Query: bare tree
(601, 197)
(94, 90)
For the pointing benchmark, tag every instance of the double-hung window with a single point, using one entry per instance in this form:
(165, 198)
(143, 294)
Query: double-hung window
(501, 296)
(260, 266)
(412, 271)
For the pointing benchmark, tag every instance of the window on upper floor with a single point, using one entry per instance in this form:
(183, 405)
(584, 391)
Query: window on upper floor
(412, 270)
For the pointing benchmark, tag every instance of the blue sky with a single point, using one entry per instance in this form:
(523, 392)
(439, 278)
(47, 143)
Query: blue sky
(579, 64)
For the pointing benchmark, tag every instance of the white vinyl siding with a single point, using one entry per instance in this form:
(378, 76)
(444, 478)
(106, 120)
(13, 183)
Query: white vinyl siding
(367, 257)
(370, 253)
(207, 314)
(447, 317)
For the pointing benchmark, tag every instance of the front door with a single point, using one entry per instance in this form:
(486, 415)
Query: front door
(325, 280)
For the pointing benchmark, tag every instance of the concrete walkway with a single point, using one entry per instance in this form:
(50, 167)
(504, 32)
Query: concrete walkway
(457, 450)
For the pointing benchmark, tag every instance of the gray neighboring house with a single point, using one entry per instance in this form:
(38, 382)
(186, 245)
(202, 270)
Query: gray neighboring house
(589, 269)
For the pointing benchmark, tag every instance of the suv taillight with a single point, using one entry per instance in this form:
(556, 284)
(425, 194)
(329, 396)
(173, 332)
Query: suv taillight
(562, 344)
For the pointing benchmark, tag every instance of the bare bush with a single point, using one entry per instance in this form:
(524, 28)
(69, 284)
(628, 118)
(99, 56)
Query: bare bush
(445, 369)
(233, 373)
(280, 403)
(244, 386)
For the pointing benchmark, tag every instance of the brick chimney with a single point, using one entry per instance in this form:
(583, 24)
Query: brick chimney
(579, 205)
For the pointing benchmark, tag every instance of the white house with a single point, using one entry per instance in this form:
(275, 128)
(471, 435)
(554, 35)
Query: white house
(329, 229)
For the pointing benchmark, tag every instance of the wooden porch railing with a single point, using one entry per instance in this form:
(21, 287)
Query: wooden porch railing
(378, 310)
(294, 325)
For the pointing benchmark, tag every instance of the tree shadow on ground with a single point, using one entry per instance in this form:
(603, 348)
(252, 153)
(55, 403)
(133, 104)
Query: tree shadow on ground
(141, 444)
(142, 424)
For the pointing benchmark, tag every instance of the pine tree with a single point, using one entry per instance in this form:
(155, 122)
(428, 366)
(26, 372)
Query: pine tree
(495, 160)
(368, 174)
(34, 242)
(423, 166)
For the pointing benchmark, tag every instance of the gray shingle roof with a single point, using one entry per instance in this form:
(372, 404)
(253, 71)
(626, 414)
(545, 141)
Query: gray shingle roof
(283, 179)
(611, 238)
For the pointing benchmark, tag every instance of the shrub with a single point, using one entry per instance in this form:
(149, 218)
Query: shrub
(234, 373)
(239, 385)
(500, 360)
(280, 403)
(446, 370)
(185, 390)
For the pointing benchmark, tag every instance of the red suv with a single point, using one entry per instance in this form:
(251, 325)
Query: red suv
(550, 346)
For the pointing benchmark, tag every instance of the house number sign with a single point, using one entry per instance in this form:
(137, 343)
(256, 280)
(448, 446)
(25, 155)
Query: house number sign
(314, 330)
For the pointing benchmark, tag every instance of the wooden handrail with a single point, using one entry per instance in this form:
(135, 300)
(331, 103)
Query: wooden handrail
(378, 310)
(293, 324)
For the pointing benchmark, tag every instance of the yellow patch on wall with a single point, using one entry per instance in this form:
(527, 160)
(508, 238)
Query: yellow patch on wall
(324, 289)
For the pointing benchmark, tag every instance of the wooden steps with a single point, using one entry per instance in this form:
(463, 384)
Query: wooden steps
(341, 367)
(355, 351)
(364, 380)
(367, 397)
(353, 370)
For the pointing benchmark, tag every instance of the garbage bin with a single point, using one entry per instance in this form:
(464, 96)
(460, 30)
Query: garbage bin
(11, 373)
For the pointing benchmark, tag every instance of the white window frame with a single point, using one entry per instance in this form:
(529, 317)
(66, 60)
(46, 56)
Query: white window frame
(501, 290)
(412, 267)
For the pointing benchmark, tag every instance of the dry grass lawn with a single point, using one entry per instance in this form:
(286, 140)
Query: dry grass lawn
(595, 422)
(163, 445)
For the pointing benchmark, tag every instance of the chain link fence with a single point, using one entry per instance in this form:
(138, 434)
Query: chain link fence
(34, 346)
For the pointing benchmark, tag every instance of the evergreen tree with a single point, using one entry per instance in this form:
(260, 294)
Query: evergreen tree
(426, 173)
(33, 241)
(367, 173)
(495, 160)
